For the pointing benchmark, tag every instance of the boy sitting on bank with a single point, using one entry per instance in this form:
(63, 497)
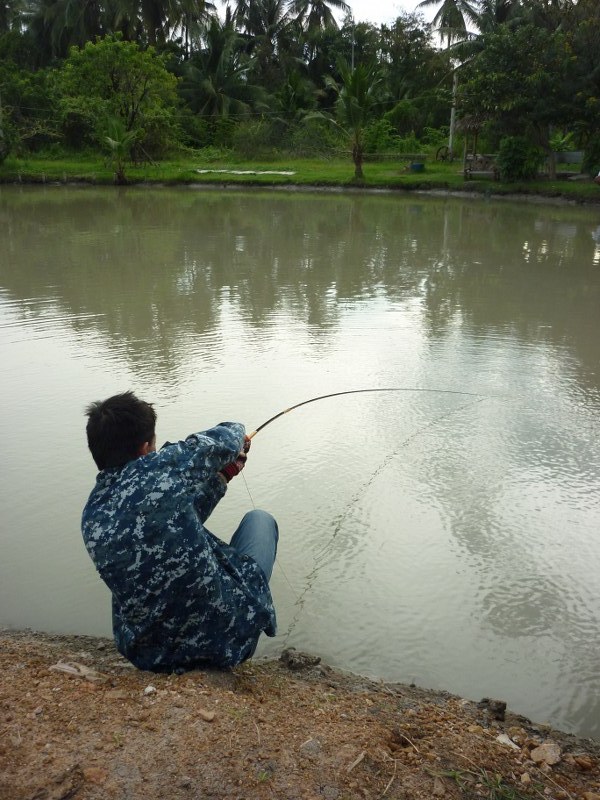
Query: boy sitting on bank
(181, 597)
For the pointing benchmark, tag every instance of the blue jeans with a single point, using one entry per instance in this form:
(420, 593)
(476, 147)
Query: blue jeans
(257, 536)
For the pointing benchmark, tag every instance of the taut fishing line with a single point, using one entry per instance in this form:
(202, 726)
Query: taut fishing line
(299, 602)
(277, 561)
(319, 557)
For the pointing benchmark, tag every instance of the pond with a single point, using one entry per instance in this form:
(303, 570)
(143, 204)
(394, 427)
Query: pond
(446, 534)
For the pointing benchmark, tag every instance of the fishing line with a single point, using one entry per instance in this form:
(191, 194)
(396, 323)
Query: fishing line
(299, 602)
(318, 560)
(277, 561)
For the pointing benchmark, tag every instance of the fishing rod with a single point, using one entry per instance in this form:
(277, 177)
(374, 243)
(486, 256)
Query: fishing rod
(360, 391)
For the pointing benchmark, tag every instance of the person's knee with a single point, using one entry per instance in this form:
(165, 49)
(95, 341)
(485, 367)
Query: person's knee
(264, 521)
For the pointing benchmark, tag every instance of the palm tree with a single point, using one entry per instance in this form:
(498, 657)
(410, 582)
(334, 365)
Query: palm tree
(57, 25)
(492, 13)
(119, 141)
(216, 82)
(452, 18)
(356, 98)
(271, 33)
(158, 20)
(317, 14)
(11, 12)
(451, 21)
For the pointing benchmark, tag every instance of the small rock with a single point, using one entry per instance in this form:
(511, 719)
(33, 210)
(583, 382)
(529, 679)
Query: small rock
(95, 775)
(518, 735)
(504, 739)
(117, 694)
(584, 762)
(439, 790)
(547, 753)
(207, 716)
(312, 747)
(497, 708)
(150, 690)
(475, 729)
(294, 659)
(525, 778)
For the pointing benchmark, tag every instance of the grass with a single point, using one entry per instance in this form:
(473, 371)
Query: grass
(318, 172)
(492, 787)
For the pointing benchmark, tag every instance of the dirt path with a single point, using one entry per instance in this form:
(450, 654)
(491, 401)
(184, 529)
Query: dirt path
(77, 721)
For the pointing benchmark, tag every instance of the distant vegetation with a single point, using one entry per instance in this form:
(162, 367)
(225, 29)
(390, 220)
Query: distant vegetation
(145, 80)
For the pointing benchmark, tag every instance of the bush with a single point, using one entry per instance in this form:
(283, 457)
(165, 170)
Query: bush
(561, 142)
(4, 146)
(409, 144)
(380, 137)
(79, 120)
(157, 136)
(435, 137)
(223, 131)
(591, 157)
(518, 159)
(213, 154)
(316, 137)
(195, 130)
(404, 116)
(256, 138)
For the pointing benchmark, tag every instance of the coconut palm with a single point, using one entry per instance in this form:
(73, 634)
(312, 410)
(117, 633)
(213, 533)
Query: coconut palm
(272, 36)
(317, 14)
(452, 18)
(216, 78)
(356, 99)
(57, 25)
(11, 12)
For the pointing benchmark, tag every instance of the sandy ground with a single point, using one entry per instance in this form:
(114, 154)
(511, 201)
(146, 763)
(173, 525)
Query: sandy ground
(78, 721)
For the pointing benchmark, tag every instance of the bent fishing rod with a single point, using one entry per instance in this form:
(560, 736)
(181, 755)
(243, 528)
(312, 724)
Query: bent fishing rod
(360, 391)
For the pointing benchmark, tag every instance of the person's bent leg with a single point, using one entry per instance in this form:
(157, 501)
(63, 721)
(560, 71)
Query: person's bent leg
(257, 536)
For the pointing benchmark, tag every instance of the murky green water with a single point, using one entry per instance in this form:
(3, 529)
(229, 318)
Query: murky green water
(447, 539)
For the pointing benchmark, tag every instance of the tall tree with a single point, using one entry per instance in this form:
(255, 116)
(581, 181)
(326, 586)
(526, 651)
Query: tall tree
(452, 18)
(215, 82)
(57, 25)
(525, 80)
(317, 14)
(272, 36)
(112, 79)
(356, 101)
(11, 13)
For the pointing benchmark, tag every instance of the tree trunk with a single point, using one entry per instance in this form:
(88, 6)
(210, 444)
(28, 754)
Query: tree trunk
(551, 158)
(357, 157)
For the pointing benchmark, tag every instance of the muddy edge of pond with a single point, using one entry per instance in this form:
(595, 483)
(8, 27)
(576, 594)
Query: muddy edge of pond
(484, 193)
(79, 721)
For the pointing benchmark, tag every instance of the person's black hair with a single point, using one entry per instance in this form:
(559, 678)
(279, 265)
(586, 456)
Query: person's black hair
(117, 428)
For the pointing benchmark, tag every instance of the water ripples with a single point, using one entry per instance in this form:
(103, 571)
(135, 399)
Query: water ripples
(441, 538)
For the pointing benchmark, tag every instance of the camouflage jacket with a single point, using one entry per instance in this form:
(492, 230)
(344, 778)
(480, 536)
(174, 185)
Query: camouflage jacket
(181, 596)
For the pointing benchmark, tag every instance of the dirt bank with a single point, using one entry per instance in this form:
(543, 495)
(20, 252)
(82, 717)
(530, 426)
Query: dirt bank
(77, 721)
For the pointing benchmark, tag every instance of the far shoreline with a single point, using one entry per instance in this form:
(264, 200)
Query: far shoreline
(300, 175)
(468, 194)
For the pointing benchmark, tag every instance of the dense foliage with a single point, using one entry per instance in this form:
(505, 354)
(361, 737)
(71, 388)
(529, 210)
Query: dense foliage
(143, 78)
